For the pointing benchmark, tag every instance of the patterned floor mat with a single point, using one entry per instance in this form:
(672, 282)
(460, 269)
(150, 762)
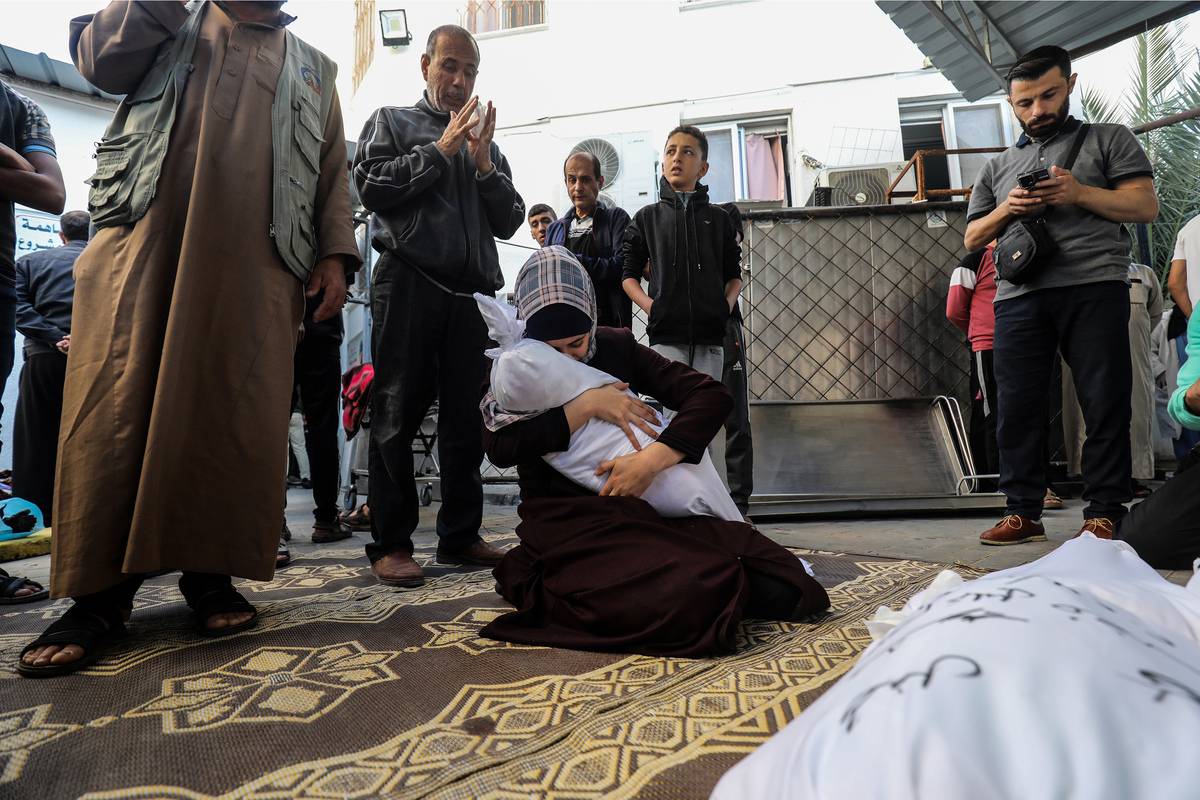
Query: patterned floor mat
(351, 689)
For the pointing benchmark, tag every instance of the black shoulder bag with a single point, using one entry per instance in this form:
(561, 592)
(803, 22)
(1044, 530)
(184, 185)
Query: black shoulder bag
(1025, 246)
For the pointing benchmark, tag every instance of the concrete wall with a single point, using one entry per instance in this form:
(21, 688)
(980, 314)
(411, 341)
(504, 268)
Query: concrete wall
(602, 56)
(636, 70)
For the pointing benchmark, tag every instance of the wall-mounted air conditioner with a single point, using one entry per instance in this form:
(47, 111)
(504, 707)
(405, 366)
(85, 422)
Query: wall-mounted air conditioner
(864, 185)
(628, 164)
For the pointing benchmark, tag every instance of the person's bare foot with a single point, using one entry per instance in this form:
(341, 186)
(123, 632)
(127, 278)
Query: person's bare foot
(30, 587)
(58, 654)
(53, 654)
(218, 621)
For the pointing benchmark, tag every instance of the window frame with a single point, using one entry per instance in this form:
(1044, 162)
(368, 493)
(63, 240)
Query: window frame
(1006, 130)
(738, 127)
(500, 11)
(946, 106)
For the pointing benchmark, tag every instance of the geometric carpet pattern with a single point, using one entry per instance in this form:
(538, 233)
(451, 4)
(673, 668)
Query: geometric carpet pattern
(348, 689)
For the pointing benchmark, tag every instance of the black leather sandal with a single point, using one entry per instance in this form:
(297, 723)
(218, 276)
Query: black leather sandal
(216, 595)
(89, 629)
(9, 586)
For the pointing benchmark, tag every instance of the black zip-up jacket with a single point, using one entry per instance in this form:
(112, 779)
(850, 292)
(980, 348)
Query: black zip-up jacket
(693, 252)
(613, 307)
(433, 212)
(46, 296)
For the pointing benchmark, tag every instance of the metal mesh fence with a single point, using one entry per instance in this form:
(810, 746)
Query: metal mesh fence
(849, 304)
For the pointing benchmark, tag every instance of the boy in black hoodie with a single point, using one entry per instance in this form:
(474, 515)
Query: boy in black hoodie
(694, 258)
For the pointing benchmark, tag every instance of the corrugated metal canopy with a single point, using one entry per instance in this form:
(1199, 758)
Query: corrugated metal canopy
(974, 43)
(41, 68)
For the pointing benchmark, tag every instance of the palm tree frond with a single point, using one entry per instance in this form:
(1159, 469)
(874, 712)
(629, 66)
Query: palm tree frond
(1097, 107)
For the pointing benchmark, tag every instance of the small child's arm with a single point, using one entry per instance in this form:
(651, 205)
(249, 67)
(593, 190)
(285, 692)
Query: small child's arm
(637, 257)
(958, 299)
(633, 288)
(733, 288)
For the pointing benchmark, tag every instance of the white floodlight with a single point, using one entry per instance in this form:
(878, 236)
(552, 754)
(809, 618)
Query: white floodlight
(394, 26)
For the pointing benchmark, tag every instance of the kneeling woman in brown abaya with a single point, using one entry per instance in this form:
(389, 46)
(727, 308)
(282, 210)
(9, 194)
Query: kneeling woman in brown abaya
(606, 572)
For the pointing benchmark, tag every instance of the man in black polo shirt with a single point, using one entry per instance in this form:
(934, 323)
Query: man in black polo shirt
(1077, 303)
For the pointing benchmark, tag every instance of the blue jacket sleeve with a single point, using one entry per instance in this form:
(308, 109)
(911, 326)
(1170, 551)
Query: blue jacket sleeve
(1189, 373)
(610, 269)
(556, 233)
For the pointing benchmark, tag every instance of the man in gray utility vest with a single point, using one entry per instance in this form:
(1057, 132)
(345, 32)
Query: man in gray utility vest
(221, 199)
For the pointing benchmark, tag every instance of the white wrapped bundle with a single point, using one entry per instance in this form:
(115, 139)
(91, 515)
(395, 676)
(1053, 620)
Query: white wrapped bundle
(530, 376)
(1075, 676)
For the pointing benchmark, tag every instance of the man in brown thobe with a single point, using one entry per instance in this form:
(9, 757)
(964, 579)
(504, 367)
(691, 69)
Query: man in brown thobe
(180, 373)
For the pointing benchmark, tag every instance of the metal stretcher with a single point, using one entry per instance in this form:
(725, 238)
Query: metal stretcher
(863, 457)
(425, 462)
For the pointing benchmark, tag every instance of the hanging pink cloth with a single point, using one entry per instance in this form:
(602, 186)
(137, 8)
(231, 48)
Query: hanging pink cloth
(763, 171)
(780, 172)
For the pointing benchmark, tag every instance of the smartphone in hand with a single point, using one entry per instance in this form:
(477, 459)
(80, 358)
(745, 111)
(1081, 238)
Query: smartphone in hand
(1028, 180)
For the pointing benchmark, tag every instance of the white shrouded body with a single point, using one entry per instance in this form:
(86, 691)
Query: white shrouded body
(1075, 676)
(530, 376)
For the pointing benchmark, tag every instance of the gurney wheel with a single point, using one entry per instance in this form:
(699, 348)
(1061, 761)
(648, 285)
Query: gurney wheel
(427, 495)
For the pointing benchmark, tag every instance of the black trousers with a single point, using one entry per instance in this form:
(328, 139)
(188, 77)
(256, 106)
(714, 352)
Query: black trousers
(983, 413)
(426, 344)
(35, 434)
(319, 381)
(739, 443)
(1089, 325)
(1164, 528)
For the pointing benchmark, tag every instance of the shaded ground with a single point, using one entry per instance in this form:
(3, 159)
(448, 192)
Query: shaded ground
(944, 539)
(351, 689)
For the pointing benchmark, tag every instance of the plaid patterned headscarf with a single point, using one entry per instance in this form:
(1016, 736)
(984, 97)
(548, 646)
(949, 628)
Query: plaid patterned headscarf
(553, 275)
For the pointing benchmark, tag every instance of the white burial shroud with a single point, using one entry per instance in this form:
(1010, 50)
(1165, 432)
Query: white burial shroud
(1075, 676)
(530, 376)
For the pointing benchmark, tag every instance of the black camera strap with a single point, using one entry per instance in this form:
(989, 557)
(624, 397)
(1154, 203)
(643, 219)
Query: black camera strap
(1072, 154)
(1076, 146)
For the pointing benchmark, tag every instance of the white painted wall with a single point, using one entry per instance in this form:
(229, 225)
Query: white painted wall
(642, 68)
(591, 56)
